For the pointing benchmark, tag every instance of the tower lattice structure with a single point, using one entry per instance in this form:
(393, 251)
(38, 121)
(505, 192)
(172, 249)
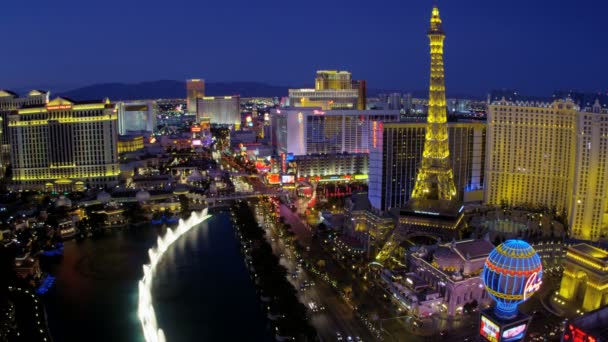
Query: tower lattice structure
(435, 180)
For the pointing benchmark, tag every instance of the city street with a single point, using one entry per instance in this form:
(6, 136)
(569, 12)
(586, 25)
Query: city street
(401, 329)
(337, 317)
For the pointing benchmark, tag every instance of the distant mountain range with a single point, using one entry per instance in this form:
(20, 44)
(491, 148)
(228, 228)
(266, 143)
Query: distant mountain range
(177, 89)
(170, 89)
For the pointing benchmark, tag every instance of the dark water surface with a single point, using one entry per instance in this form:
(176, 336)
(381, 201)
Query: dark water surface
(202, 290)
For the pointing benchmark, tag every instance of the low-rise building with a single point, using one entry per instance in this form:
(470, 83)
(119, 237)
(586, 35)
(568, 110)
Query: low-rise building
(453, 270)
(584, 282)
(27, 266)
(322, 165)
(365, 224)
(130, 143)
(588, 327)
(66, 229)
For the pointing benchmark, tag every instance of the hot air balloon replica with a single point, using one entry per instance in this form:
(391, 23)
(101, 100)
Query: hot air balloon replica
(512, 273)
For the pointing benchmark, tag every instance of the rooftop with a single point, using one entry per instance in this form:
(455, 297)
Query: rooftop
(432, 208)
(593, 252)
(594, 323)
(473, 249)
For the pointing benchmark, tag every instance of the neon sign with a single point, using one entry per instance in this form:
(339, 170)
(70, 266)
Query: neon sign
(426, 212)
(68, 106)
(489, 329)
(283, 162)
(375, 124)
(514, 334)
(532, 285)
(318, 112)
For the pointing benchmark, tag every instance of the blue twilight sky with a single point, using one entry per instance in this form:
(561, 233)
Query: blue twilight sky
(535, 46)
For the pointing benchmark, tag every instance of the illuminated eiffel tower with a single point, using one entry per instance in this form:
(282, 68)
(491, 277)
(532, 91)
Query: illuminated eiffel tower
(434, 180)
(433, 209)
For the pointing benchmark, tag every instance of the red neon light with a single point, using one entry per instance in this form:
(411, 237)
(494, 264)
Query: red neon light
(274, 178)
(512, 272)
(532, 285)
(59, 107)
(283, 162)
(375, 125)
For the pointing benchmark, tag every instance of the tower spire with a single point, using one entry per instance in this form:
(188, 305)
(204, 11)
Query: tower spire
(435, 180)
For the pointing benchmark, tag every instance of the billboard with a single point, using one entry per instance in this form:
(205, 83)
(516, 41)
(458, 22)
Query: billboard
(493, 329)
(288, 179)
(515, 333)
(489, 330)
(274, 178)
(283, 162)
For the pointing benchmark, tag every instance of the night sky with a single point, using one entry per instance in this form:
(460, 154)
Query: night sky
(534, 46)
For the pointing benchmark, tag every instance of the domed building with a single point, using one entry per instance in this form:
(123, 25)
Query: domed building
(104, 197)
(180, 190)
(453, 271)
(142, 196)
(447, 260)
(63, 201)
(194, 177)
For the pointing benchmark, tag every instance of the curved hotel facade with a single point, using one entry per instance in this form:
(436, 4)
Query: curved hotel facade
(64, 145)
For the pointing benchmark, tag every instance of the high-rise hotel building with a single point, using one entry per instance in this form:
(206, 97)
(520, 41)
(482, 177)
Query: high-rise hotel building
(137, 117)
(219, 110)
(589, 203)
(551, 155)
(333, 90)
(64, 145)
(397, 152)
(9, 102)
(195, 89)
(302, 131)
(531, 153)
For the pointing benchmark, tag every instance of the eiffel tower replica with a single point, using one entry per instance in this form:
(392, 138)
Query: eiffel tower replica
(433, 208)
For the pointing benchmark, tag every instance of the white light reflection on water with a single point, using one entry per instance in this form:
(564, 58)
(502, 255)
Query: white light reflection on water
(145, 310)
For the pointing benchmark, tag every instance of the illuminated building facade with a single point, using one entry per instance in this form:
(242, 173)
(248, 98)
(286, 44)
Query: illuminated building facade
(531, 152)
(130, 143)
(302, 131)
(64, 145)
(588, 213)
(220, 110)
(313, 165)
(195, 89)
(585, 278)
(395, 157)
(333, 90)
(550, 155)
(9, 102)
(332, 79)
(4, 157)
(136, 116)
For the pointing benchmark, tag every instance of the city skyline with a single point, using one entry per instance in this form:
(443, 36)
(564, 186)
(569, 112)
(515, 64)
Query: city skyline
(386, 49)
(329, 212)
